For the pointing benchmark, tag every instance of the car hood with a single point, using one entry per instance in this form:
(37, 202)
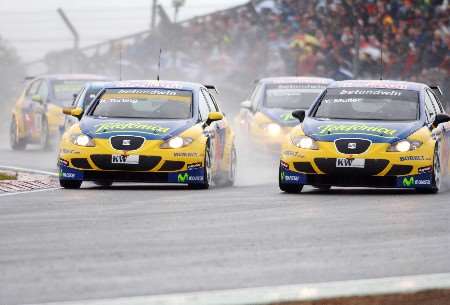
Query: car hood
(149, 129)
(377, 132)
(281, 116)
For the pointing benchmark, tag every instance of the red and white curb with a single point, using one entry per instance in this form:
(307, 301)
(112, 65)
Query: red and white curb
(30, 181)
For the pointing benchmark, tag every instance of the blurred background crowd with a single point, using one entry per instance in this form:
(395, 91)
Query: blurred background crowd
(341, 39)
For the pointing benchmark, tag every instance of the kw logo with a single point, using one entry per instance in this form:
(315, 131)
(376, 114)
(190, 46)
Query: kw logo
(408, 181)
(182, 178)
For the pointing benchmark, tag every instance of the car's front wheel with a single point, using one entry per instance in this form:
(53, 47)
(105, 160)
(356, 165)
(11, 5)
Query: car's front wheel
(70, 184)
(230, 176)
(207, 173)
(288, 188)
(15, 142)
(436, 176)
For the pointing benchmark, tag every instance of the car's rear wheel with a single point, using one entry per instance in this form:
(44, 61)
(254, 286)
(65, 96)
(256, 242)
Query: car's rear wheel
(436, 178)
(44, 140)
(207, 173)
(288, 188)
(70, 184)
(15, 142)
(230, 176)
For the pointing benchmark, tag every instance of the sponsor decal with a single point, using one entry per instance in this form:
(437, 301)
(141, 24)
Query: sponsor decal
(283, 176)
(408, 181)
(291, 178)
(426, 169)
(289, 153)
(357, 129)
(356, 163)
(130, 127)
(377, 84)
(186, 154)
(412, 158)
(68, 175)
(182, 178)
(422, 182)
(287, 117)
(185, 177)
(194, 165)
(370, 92)
(342, 100)
(148, 91)
(69, 151)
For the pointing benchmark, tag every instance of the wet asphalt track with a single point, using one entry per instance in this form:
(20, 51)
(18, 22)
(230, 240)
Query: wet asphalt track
(139, 240)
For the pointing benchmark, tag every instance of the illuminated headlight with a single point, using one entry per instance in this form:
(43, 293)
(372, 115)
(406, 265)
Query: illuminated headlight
(273, 129)
(176, 142)
(404, 146)
(83, 140)
(304, 142)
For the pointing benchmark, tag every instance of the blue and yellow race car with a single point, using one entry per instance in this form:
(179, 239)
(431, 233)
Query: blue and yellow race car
(267, 116)
(386, 134)
(149, 131)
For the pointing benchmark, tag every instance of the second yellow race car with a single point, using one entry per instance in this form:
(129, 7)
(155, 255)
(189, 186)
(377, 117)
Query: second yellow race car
(149, 131)
(386, 134)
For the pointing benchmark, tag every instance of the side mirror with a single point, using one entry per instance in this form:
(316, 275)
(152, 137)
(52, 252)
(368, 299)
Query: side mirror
(37, 98)
(213, 116)
(246, 105)
(75, 112)
(299, 114)
(440, 118)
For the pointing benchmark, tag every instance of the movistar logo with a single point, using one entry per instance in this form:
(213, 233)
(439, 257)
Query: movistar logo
(408, 181)
(283, 176)
(182, 178)
(287, 117)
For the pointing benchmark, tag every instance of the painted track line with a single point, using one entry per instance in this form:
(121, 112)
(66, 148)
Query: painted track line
(288, 294)
(28, 170)
(28, 192)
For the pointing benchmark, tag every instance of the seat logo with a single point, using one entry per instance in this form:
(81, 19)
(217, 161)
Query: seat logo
(126, 142)
(351, 145)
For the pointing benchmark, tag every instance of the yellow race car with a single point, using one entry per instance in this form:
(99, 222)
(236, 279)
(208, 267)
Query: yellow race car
(266, 117)
(149, 131)
(37, 117)
(386, 134)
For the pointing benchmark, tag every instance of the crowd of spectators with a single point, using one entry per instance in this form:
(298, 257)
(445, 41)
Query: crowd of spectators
(340, 39)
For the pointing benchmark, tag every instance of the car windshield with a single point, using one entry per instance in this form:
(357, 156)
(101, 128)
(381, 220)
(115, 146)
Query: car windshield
(64, 90)
(292, 96)
(87, 96)
(369, 104)
(144, 103)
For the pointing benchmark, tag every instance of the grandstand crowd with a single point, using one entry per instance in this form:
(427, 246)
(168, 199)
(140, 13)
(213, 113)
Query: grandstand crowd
(340, 39)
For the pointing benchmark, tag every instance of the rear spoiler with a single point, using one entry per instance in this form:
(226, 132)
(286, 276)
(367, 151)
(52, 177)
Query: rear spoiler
(437, 89)
(212, 87)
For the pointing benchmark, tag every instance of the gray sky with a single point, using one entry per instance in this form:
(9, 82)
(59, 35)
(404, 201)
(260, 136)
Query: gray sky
(33, 27)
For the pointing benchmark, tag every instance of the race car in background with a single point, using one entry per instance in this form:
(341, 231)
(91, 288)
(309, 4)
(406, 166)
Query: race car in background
(37, 114)
(82, 101)
(267, 116)
(386, 134)
(149, 131)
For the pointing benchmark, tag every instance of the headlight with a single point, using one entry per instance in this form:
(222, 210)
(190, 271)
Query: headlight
(304, 142)
(82, 140)
(272, 129)
(177, 142)
(404, 146)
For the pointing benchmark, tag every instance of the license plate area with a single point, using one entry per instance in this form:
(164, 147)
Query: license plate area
(350, 163)
(122, 159)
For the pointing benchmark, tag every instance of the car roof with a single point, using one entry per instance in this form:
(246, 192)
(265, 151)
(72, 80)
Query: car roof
(380, 84)
(163, 84)
(296, 79)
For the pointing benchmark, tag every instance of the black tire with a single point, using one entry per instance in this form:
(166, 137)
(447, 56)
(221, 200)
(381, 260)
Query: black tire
(44, 141)
(289, 188)
(70, 184)
(207, 178)
(436, 178)
(103, 183)
(230, 178)
(14, 141)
